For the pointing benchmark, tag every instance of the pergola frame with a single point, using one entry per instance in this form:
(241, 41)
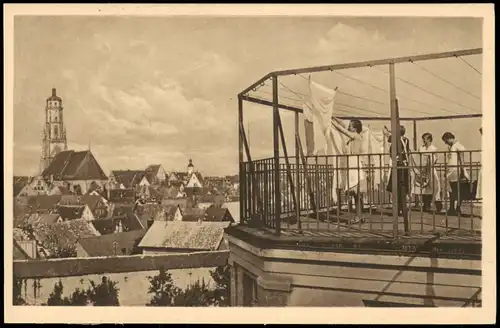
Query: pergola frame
(394, 118)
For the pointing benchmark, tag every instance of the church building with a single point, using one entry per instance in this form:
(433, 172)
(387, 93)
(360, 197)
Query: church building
(54, 132)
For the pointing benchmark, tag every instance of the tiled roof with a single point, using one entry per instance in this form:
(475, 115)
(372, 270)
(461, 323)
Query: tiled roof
(122, 195)
(217, 214)
(192, 214)
(128, 178)
(121, 209)
(105, 245)
(129, 222)
(71, 165)
(152, 171)
(66, 233)
(182, 202)
(43, 202)
(19, 183)
(18, 253)
(184, 235)
(70, 212)
(43, 218)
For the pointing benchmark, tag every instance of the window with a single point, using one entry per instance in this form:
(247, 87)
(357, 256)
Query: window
(56, 131)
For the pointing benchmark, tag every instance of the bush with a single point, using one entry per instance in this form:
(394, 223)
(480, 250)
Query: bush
(18, 287)
(222, 277)
(163, 289)
(197, 294)
(77, 298)
(103, 294)
(165, 293)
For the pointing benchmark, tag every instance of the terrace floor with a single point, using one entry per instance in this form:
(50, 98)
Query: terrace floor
(379, 224)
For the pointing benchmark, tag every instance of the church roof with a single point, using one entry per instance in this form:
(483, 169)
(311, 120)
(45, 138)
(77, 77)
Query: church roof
(129, 178)
(72, 165)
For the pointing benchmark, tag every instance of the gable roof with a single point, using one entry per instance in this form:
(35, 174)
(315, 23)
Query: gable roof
(217, 214)
(43, 218)
(129, 222)
(105, 245)
(66, 233)
(71, 212)
(71, 165)
(18, 253)
(19, 183)
(234, 210)
(192, 214)
(43, 202)
(184, 235)
(122, 195)
(152, 171)
(128, 178)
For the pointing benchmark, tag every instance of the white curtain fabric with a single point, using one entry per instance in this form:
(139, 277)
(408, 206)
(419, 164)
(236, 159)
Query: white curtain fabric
(318, 111)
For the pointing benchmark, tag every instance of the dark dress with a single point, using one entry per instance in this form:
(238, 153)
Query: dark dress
(403, 174)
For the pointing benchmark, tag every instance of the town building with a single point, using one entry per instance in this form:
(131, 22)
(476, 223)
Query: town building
(183, 237)
(78, 170)
(122, 243)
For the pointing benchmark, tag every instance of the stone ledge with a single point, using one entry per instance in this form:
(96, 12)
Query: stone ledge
(435, 246)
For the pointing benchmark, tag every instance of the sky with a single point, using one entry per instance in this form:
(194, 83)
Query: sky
(163, 90)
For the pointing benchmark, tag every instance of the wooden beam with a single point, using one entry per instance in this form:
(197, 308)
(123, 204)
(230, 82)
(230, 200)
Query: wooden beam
(287, 161)
(449, 117)
(299, 110)
(297, 173)
(240, 156)
(69, 267)
(395, 127)
(277, 195)
(380, 62)
(260, 81)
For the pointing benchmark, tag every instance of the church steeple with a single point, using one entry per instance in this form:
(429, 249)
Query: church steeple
(190, 167)
(54, 132)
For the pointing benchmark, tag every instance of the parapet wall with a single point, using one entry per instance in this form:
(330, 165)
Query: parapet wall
(116, 264)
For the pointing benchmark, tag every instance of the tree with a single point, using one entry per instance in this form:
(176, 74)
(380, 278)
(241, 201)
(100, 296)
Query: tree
(197, 294)
(222, 277)
(18, 287)
(163, 289)
(104, 294)
(77, 298)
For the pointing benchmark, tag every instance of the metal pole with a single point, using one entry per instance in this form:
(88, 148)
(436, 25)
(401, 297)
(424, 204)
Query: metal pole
(395, 136)
(277, 195)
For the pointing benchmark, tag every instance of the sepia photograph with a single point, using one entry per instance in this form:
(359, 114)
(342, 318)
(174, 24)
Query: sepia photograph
(156, 158)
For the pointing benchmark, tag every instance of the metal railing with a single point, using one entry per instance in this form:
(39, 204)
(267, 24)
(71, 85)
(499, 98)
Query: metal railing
(313, 193)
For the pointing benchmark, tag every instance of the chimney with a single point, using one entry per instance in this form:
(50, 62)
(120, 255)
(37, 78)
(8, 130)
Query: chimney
(53, 92)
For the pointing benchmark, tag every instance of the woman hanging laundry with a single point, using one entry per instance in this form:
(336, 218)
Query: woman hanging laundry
(355, 180)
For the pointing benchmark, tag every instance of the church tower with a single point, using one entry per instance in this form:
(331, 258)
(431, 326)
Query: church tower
(54, 132)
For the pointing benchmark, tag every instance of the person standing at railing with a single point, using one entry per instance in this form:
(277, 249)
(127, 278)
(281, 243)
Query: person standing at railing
(456, 172)
(479, 178)
(355, 183)
(427, 182)
(403, 175)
